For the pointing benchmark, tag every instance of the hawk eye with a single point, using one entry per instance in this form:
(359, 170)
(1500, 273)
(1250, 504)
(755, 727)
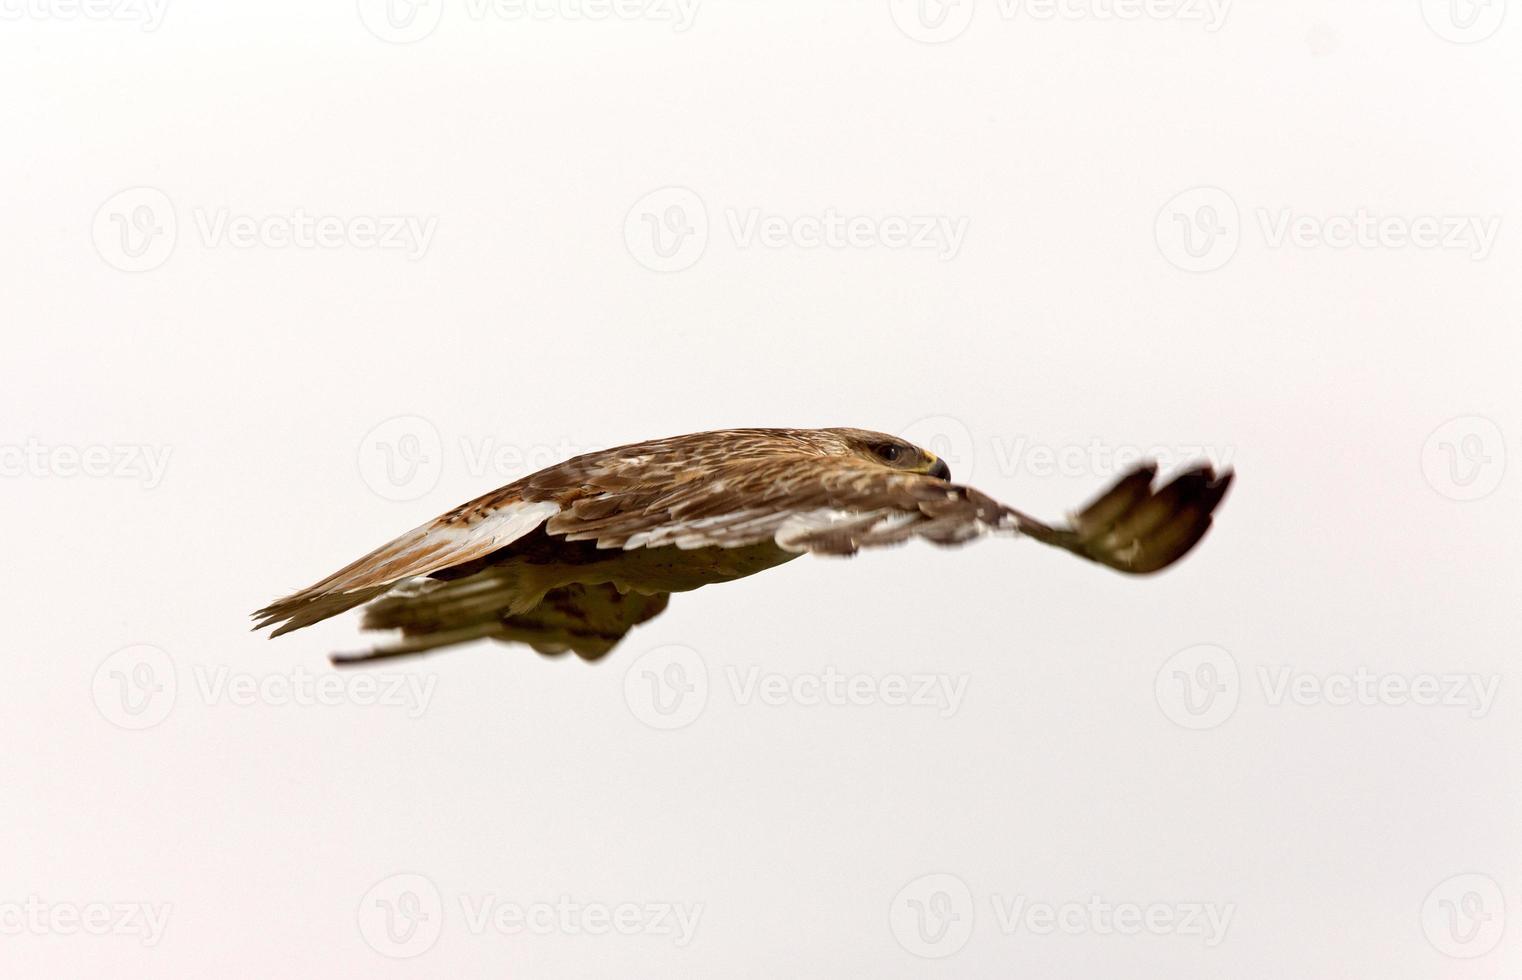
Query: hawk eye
(890, 452)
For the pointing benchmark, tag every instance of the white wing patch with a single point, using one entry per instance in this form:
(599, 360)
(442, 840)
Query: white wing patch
(437, 546)
(842, 532)
(740, 527)
(801, 528)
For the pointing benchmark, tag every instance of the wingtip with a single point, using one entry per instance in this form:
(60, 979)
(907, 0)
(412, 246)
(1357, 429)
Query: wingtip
(1138, 529)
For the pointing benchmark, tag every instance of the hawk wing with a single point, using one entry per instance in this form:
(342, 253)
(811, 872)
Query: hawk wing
(838, 505)
(434, 547)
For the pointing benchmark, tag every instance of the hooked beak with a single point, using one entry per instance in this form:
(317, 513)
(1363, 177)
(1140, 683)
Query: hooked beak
(939, 470)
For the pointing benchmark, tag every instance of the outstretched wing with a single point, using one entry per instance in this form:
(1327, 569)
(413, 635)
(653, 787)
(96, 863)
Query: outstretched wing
(454, 539)
(824, 503)
(1135, 528)
(838, 505)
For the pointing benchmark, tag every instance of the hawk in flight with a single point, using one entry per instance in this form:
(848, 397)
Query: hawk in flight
(574, 556)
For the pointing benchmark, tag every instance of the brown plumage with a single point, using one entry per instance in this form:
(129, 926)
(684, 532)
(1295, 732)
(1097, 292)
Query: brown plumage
(573, 556)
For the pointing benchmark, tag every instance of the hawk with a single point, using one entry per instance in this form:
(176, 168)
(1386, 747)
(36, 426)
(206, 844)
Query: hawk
(572, 557)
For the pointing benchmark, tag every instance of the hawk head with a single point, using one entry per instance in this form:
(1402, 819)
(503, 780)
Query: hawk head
(891, 451)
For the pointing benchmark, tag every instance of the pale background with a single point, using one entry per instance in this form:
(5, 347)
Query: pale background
(1367, 530)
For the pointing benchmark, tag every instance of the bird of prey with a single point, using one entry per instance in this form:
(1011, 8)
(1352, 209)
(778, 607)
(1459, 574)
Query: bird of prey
(572, 557)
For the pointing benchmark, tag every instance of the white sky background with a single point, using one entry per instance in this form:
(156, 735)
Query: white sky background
(1369, 538)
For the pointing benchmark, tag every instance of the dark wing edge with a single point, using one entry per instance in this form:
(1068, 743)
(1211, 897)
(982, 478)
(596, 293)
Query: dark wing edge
(1134, 528)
